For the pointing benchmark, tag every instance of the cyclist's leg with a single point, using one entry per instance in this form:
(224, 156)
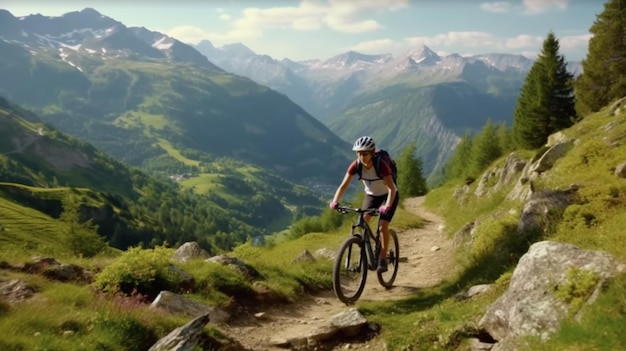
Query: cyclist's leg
(383, 224)
(371, 201)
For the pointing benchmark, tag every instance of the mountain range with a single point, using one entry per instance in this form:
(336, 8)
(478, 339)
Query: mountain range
(415, 97)
(152, 101)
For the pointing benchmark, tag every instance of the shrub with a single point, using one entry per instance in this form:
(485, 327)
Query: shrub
(146, 272)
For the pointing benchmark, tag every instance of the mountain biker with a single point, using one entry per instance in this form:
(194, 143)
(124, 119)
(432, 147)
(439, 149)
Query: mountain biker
(379, 193)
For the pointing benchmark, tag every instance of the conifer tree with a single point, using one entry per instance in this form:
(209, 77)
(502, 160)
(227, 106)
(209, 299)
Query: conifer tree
(458, 165)
(604, 69)
(504, 138)
(546, 102)
(411, 180)
(485, 149)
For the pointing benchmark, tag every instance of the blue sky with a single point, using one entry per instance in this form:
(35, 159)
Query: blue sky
(320, 29)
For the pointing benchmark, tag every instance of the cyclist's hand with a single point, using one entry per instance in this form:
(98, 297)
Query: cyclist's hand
(384, 209)
(333, 205)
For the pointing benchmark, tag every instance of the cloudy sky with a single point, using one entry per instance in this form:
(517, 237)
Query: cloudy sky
(320, 29)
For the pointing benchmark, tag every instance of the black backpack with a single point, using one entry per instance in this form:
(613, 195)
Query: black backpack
(380, 156)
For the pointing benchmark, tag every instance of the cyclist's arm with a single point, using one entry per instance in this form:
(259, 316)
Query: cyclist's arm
(347, 178)
(391, 190)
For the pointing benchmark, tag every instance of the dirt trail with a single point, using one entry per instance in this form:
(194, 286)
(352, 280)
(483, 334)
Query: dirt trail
(426, 259)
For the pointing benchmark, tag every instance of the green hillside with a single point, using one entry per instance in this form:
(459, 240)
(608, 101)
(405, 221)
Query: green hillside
(228, 203)
(168, 117)
(594, 221)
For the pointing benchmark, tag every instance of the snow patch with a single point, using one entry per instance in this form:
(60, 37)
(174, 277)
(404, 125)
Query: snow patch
(65, 57)
(162, 44)
(72, 47)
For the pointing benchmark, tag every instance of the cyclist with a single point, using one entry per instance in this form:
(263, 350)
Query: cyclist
(379, 193)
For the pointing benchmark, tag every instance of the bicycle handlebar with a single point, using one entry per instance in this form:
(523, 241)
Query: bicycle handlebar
(346, 209)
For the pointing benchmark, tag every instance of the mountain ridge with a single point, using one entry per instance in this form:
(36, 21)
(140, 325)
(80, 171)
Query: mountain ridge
(332, 89)
(122, 85)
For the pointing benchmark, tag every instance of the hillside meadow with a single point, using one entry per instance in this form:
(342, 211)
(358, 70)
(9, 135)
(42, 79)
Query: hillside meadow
(70, 316)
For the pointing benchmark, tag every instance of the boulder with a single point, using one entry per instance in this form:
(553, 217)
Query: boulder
(530, 306)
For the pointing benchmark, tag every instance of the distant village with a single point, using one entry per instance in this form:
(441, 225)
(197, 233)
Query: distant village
(180, 177)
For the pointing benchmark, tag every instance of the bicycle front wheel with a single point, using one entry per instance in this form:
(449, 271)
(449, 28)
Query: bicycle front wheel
(387, 278)
(350, 270)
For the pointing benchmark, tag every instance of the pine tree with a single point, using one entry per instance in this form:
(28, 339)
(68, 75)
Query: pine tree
(604, 69)
(486, 148)
(411, 180)
(505, 139)
(546, 102)
(458, 165)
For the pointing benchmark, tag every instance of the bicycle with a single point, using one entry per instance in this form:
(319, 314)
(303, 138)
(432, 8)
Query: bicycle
(358, 254)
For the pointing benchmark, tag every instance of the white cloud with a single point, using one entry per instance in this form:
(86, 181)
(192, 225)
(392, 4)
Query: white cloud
(352, 27)
(530, 54)
(523, 41)
(498, 6)
(575, 41)
(481, 41)
(470, 39)
(338, 15)
(376, 46)
(538, 6)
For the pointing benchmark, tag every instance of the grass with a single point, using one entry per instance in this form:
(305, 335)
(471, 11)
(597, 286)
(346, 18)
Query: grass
(70, 317)
(165, 145)
(25, 231)
(594, 221)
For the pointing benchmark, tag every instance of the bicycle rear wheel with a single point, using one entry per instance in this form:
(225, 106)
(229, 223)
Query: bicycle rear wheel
(350, 270)
(387, 278)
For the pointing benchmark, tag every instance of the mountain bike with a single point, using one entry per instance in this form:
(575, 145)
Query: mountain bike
(358, 254)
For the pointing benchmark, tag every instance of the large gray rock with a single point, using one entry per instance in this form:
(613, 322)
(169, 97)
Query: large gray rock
(547, 160)
(178, 304)
(184, 338)
(544, 209)
(530, 306)
(499, 177)
(190, 251)
(246, 270)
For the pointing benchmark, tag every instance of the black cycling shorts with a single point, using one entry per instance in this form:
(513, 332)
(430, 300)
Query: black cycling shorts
(371, 201)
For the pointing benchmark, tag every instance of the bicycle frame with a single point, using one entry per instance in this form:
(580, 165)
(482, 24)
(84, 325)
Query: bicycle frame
(372, 253)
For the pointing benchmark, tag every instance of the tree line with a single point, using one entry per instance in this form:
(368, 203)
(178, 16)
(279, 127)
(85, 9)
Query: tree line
(551, 98)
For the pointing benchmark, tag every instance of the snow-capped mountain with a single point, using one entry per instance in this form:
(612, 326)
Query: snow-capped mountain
(319, 86)
(89, 32)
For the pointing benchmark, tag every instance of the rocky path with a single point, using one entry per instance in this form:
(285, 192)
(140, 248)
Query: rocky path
(427, 258)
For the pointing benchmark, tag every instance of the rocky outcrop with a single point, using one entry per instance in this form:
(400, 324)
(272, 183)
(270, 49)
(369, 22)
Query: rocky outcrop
(246, 270)
(544, 209)
(16, 290)
(185, 338)
(190, 251)
(178, 304)
(539, 296)
(54, 270)
(500, 176)
(617, 107)
(342, 326)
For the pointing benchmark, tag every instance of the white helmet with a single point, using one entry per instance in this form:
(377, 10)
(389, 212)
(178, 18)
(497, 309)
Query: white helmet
(364, 143)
